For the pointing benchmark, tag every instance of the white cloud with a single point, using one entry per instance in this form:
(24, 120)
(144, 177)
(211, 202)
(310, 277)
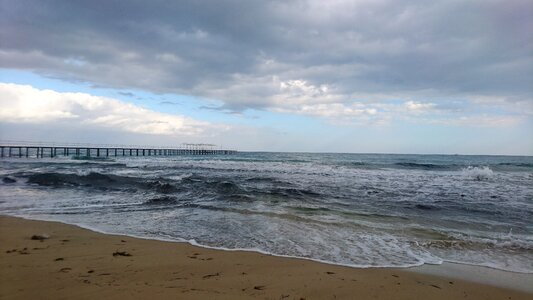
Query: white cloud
(26, 104)
(480, 121)
(301, 92)
(377, 113)
(332, 110)
(418, 107)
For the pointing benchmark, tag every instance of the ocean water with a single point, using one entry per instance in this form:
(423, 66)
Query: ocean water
(361, 210)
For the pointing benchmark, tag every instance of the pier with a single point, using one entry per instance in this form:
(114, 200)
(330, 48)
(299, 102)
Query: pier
(41, 150)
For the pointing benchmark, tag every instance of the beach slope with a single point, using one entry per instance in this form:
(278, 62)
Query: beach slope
(49, 260)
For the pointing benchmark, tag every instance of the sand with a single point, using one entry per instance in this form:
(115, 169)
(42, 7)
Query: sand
(68, 262)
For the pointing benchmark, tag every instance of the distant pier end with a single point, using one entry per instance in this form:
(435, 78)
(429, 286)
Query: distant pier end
(40, 150)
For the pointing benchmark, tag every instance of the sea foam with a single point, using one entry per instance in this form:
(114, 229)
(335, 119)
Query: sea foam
(478, 173)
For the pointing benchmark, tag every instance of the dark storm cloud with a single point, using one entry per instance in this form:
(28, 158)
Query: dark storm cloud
(264, 54)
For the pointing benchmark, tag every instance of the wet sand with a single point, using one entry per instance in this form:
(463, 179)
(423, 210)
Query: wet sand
(68, 262)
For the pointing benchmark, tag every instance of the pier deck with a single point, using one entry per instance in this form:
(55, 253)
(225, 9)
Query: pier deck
(43, 150)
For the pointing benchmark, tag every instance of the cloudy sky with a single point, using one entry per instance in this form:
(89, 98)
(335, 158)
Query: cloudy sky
(396, 76)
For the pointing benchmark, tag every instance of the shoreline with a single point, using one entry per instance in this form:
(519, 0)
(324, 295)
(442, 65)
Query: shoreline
(469, 272)
(78, 262)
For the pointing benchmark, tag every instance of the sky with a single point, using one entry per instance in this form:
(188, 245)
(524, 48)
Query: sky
(364, 76)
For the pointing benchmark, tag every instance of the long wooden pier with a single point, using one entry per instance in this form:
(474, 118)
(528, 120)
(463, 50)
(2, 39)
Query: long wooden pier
(40, 150)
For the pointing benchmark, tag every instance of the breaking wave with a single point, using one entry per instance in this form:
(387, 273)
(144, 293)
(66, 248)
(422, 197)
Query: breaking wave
(478, 173)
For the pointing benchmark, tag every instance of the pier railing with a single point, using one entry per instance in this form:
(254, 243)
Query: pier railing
(43, 149)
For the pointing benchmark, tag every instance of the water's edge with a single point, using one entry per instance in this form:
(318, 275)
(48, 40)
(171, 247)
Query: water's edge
(479, 274)
(453, 270)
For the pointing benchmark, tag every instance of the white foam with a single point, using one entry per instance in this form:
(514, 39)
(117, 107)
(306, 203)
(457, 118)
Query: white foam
(179, 177)
(478, 173)
(193, 242)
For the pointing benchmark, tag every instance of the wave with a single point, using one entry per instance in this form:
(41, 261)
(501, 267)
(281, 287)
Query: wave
(479, 244)
(521, 165)
(478, 173)
(58, 179)
(423, 166)
(100, 181)
(353, 164)
(162, 200)
(240, 190)
(426, 207)
(291, 193)
(195, 186)
(515, 166)
(162, 187)
(270, 180)
(228, 187)
(358, 163)
(96, 158)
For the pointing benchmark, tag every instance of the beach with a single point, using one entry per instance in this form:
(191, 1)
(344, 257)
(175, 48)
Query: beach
(50, 260)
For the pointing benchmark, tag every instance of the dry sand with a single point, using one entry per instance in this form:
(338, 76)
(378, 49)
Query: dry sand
(75, 263)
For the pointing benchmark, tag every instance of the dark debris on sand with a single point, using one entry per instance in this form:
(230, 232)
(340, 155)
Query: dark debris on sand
(40, 237)
(121, 253)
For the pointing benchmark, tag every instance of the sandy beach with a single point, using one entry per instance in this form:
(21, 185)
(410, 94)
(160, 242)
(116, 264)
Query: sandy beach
(75, 263)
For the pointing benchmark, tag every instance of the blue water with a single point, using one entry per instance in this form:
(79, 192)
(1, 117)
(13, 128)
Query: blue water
(362, 210)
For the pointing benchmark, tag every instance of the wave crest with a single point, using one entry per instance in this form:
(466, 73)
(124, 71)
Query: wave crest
(478, 173)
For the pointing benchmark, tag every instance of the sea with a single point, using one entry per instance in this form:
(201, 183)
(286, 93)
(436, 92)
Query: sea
(359, 210)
